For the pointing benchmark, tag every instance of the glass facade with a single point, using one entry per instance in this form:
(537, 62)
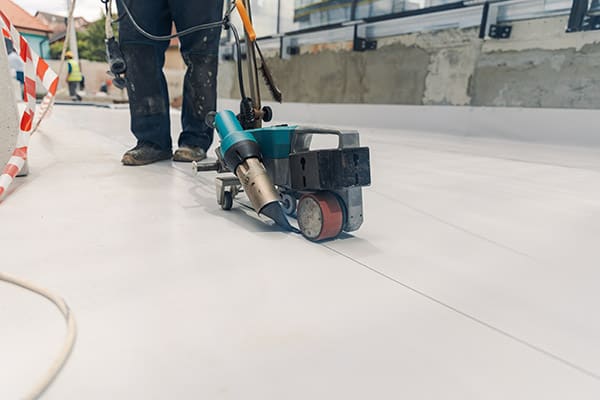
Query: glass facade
(280, 16)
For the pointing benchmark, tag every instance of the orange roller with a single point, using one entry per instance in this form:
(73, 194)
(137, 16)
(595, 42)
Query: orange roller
(320, 216)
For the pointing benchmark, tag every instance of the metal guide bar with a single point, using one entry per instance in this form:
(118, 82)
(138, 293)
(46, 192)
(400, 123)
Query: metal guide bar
(453, 15)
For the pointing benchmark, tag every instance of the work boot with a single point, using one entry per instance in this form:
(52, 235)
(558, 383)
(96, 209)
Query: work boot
(145, 153)
(189, 154)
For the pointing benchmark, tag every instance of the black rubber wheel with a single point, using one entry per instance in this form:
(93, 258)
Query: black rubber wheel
(267, 114)
(227, 201)
(288, 203)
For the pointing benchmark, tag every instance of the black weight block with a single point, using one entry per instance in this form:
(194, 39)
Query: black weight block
(330, 169)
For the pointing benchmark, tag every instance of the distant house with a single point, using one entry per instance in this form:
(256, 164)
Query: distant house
(33, 30)
(58, 24)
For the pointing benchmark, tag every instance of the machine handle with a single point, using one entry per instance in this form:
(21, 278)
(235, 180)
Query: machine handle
(302, 138)
(245, 20)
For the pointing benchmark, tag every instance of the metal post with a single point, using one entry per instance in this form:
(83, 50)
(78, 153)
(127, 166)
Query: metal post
(484, 20)
(73, 36)
(278, 16)
(229, 34)
(353, 10)
(577, 15)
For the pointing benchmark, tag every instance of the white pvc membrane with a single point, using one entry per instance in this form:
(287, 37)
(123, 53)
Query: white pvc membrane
(475, 275)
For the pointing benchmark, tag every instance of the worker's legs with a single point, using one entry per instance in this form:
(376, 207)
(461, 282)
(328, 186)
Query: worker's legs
(200, 52)
(146, 84)
(73, 86)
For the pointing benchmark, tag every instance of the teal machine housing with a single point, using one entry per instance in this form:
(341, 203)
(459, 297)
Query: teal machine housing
(331, 177)
(273, 142)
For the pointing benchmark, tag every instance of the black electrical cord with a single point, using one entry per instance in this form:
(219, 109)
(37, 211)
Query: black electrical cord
(240, 67)
(225, 22)
(185, 32)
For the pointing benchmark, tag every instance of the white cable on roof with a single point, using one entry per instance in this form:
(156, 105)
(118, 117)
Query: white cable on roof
(45, 382)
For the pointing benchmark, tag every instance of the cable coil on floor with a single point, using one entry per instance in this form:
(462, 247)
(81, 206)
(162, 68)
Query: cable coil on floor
(69, 343)
(36, 68)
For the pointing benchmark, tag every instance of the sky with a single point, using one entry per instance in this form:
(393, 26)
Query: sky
(92, 9)
(89, 9)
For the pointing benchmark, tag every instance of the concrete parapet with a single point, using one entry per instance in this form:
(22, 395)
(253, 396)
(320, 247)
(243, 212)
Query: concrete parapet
(538, 66)
(538, 126)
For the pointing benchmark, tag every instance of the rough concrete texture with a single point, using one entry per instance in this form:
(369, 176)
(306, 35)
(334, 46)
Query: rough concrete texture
(8, 110)
(344, 77)
(539, 78)
(397, 76)
(420, 68)
(543, 34)
(453, 56)
(450, 71)
(325, 77)
(539, 66)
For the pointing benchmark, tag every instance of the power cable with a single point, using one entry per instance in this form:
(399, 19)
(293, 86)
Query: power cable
(225, 22)
(48, 378)
(193, 29)
(44, 383)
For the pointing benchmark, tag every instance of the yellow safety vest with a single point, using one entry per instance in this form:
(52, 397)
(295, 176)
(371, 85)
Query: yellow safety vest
(75, 75)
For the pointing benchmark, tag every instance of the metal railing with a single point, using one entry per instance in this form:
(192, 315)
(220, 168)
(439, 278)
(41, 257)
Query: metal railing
(364, 27)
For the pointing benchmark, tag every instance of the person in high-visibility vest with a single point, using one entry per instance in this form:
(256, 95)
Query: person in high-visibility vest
(74, 76)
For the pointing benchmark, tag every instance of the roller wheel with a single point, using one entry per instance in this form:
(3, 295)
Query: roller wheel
(267, 114)
(227, 201)
(288, 203)
(320, 216)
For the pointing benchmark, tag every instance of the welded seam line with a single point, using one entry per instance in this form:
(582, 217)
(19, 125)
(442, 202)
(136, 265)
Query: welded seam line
(464, 314)
(481, 322)
(502, 158)
(457, 227)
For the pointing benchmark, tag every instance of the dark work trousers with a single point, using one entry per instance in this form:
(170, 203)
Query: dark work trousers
(146, 83)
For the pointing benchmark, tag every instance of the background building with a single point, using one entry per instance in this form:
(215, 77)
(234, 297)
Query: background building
(58, 24)
(35, 31)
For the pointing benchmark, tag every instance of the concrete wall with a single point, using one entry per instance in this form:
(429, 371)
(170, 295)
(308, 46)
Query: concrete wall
(539, 66)
(8, 110)
(94, 73)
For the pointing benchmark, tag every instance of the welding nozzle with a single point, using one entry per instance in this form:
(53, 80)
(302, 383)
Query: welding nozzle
(257, 184)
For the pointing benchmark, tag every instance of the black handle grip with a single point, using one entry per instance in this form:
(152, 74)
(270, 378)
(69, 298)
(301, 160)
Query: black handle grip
(115, 58)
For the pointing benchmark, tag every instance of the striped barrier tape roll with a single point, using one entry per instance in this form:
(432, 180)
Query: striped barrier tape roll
(35, 67)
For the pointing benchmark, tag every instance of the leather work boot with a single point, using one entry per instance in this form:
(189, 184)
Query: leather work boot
(189, 154)
(145, 153)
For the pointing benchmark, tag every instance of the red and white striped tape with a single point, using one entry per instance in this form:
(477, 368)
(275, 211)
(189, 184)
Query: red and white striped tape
(35, 66)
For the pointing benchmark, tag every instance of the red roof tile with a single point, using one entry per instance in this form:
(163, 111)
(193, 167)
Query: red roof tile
(21, 19)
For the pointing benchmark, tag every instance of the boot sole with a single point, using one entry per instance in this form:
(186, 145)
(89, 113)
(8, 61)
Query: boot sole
(182, 157)
(133, 162)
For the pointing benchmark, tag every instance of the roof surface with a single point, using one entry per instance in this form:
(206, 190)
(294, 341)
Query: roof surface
(475, 275)
(21, 19)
